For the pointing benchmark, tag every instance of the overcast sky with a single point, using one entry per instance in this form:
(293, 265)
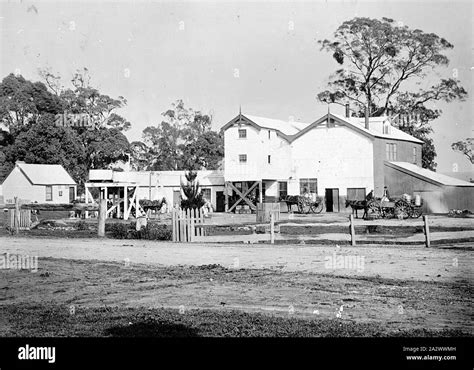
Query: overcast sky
(218, 56)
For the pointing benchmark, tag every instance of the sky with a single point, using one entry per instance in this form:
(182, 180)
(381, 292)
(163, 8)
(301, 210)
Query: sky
(220, 56)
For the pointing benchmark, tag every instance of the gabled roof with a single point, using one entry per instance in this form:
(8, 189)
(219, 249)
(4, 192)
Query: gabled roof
(428, 175)
(293, 130)
(45, 174)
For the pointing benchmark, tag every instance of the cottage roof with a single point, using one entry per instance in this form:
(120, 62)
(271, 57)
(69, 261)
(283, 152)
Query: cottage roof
(45, 174)
(429, 175)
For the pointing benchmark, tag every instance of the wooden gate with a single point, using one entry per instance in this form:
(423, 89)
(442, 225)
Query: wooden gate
(20, 219)
(187, 224)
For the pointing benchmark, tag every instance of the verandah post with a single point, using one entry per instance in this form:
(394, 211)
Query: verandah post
(102, 217)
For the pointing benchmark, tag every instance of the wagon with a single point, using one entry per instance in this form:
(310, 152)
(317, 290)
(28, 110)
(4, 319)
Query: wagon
(304, 204)
(399, 207)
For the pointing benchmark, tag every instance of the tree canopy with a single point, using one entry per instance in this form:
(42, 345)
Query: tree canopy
(30, 111)
(182, 141)
(465, 147)
(384, 67)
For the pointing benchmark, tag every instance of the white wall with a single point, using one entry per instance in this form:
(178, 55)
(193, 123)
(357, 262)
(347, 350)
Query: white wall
(17, 185)
(338, 157)
(258, 145)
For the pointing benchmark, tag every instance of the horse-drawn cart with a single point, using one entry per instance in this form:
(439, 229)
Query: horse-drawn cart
(403, 208)
(305, 204)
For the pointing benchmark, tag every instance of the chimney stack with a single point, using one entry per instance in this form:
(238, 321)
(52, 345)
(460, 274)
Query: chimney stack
(367, 118)
(348, 112)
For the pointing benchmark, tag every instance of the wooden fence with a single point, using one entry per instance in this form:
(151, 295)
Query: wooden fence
(20, 219)
(187, 224)
(425, 224)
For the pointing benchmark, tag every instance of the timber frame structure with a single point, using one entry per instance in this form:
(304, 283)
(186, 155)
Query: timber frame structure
(124, 198)
(243, 195)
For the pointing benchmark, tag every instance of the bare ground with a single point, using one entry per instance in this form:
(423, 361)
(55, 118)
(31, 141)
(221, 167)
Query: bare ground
(399, 289)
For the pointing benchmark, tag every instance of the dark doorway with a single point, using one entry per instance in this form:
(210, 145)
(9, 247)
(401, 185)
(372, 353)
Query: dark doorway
(71, 194)
(332, 200)
(220, 201)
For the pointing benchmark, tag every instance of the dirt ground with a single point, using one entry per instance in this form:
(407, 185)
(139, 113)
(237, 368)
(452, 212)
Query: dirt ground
(397, 288)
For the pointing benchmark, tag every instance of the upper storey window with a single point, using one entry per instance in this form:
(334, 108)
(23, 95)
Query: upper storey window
(242, 133)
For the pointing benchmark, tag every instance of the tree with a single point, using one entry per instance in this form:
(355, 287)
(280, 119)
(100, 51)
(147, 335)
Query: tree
(192, 193)
(466, 147)
(385, 65)
(23, 102)
(29, 109)
(182, 141)
(44, 143)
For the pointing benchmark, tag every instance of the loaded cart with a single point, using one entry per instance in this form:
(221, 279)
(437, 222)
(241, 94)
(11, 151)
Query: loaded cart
(403, 207)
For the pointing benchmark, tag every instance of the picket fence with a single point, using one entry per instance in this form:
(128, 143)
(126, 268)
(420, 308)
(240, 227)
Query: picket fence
(21, 221)
(187, 224)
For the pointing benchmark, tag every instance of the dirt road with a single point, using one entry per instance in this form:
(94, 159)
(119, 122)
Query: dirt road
(447, 263)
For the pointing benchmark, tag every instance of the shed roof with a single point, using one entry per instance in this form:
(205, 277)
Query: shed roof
(429, 175)
(45, 174)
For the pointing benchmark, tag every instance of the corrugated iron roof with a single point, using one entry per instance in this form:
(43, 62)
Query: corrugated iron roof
(46, 174)
(286, 127)
(431, 175)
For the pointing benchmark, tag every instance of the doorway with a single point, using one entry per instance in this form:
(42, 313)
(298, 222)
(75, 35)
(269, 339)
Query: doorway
(72, 194)
(220, 201)
(332, 200)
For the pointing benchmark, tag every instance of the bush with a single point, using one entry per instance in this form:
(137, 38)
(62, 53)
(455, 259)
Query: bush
(119, 231)
(152, 231)
(81, 225)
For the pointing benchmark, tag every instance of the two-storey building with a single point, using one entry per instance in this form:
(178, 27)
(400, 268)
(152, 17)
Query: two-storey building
(336, 157)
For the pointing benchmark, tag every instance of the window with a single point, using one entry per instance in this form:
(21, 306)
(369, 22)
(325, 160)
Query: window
(242, 158)
(242, 134)
(282, 189)
(308, 186)
(355, 193)
(414, 154)
(49, 192)
(206, 193)
(391, 151)
(269, 159)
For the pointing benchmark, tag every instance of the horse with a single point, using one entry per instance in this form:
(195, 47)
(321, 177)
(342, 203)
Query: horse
(290, 201)
(360, 204)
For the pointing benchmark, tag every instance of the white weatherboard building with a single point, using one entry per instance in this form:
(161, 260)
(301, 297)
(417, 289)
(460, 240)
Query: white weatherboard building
(334, 157)
(40, 183)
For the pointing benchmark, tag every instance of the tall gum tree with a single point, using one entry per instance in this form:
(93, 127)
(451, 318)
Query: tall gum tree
(385, 66)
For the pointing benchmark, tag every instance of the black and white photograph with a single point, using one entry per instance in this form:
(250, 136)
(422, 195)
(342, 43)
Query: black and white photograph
(188, 175)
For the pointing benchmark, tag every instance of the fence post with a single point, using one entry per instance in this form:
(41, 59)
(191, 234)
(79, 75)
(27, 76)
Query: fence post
(272, 227)
(173, 223)
(17, 215)
(102, 216)
(352, 227)
(427, 231)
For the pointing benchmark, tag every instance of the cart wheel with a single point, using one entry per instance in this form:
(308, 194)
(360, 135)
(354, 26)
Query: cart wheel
(402, 209)
(317, 207)
(416, 212)
(303, 206)
(373, 210)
